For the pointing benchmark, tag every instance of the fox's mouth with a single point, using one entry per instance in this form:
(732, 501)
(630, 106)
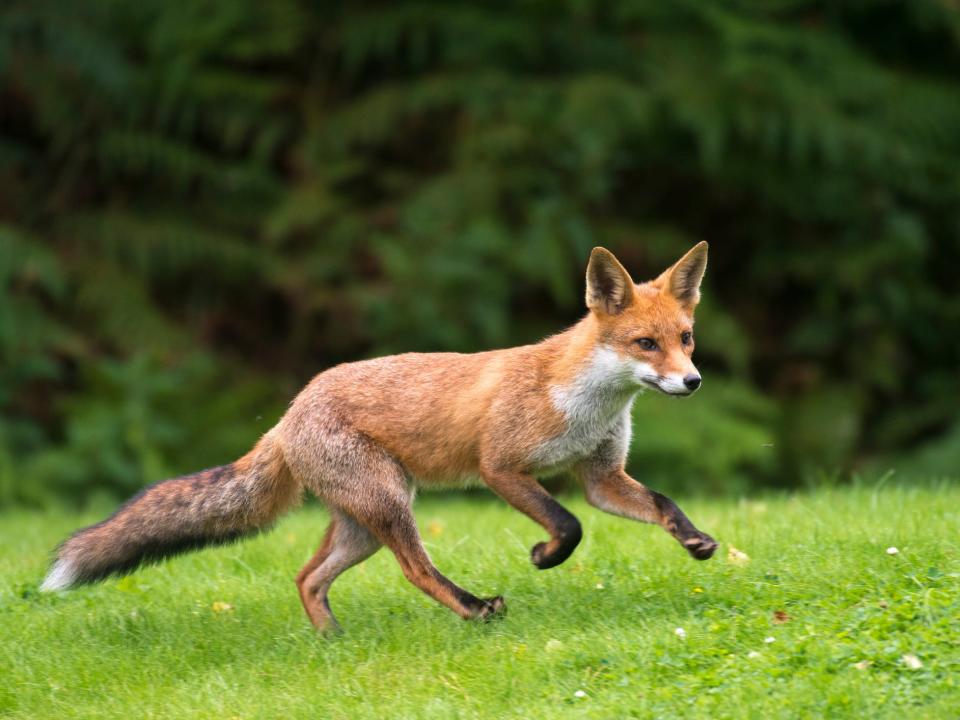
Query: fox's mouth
(657, 383)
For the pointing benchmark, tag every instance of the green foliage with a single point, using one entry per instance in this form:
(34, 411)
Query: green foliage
(934, 457)
(719, 446)
(282, 186)
(133, 423)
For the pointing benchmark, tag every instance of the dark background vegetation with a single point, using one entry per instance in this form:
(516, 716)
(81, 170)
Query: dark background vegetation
(204, 203)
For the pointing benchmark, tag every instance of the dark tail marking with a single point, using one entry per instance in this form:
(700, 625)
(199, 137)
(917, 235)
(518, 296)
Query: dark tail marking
(211, 507)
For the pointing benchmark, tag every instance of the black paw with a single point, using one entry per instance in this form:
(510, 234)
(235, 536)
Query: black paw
(494, 607)
(544, 556)
(700, 547)
(544, 559)
(538, 555)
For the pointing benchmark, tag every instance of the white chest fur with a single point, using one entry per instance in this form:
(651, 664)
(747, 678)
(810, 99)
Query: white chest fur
(596, 406)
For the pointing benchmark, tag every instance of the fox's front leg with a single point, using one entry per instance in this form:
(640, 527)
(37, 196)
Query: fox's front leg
(615, 492)
(529, 497)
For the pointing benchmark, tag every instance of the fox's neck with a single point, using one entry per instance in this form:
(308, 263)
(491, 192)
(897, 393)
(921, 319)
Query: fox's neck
(590, 382)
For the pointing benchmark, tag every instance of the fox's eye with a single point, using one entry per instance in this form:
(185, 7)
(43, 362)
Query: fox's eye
(647, 343)
(686, 337)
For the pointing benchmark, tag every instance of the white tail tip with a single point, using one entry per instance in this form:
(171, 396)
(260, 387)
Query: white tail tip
(60, 577)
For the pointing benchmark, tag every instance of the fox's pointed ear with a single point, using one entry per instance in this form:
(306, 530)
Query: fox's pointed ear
(682, 279)
(609, 286)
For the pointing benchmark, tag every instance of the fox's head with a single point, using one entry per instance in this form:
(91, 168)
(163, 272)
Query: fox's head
(648, 326)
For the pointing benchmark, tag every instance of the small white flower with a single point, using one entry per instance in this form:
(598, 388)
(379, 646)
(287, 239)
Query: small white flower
(892, 550)
(680, 633)
(753, 654)
(912, 662)
(769, 640)
(599, 586)
(580, 694)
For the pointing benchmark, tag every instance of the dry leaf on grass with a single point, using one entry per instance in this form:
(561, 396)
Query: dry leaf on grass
(737, 557)
(780, 617)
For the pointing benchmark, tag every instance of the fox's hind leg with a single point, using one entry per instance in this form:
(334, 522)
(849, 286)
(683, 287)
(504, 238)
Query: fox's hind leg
(345, 544)
(391, 521)
(360, 482)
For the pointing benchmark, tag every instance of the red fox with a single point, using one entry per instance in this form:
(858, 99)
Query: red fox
(364, 435)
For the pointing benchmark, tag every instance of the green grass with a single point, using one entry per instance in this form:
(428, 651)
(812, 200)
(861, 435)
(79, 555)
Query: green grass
(604, 623)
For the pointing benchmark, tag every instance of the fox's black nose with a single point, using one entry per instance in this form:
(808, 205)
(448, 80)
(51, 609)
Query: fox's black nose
(692, 382)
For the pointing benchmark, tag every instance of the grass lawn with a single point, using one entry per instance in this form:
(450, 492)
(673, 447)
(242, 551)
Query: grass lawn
(820, 621)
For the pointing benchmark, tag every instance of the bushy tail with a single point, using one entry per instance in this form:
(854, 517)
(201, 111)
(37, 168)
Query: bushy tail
(210, 507)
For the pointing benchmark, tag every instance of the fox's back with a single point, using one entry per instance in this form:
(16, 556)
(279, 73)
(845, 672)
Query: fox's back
(431, 411)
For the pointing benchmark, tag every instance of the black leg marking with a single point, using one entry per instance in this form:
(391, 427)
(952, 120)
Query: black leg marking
(569, 536)
(700, 545)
